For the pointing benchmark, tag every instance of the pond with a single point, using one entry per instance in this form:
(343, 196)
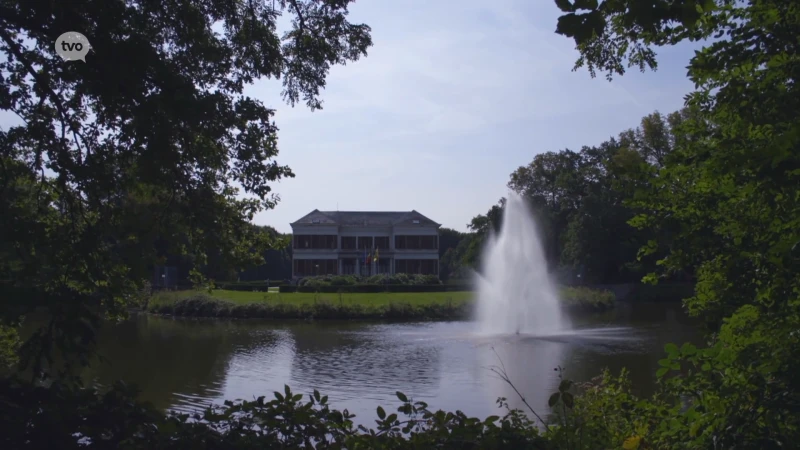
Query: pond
(185, 364)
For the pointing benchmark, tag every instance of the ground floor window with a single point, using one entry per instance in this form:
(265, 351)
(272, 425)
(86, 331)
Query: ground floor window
(417, 266)
(349, 266)
(314, 267)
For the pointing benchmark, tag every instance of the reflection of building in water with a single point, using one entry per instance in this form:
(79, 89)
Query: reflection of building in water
(363, 359)
(364, 243)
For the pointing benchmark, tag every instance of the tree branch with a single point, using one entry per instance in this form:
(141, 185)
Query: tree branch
(501, 372)
(39, 80)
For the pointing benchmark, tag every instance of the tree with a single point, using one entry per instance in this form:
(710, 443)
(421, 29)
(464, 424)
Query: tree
(449, 240)
(148, 141)
(727, 199)
(583, 200)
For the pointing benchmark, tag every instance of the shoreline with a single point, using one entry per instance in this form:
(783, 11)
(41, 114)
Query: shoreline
(396, 307)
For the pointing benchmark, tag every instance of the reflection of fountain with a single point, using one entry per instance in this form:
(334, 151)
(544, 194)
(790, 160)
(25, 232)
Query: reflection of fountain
(515, 293)
(529, 363)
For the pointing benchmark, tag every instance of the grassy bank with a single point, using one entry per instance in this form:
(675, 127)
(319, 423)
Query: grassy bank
(381, 305)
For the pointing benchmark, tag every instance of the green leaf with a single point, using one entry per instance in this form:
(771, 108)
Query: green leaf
(491, 419)
(381, 413)
(402, 397)
(671, 349)
(554, 399)
(688, 349)
(586, 4)
(565, 5)
(564, 385)
(662, 371)
(569, 400)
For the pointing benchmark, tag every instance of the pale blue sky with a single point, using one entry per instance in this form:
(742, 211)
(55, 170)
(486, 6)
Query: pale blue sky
(451, 99)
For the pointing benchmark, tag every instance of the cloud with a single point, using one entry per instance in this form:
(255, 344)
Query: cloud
(451, 99)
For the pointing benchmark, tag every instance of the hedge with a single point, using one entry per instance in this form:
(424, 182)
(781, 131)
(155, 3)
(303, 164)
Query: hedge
(249, 286)
(366, 288)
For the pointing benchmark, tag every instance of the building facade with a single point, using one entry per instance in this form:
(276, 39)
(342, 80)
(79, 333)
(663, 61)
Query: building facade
(364, 243)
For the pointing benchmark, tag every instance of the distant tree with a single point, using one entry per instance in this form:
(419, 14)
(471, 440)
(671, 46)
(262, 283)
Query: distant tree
(584, 200)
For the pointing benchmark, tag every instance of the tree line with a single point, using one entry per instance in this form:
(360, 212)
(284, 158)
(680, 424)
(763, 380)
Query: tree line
(583, 202)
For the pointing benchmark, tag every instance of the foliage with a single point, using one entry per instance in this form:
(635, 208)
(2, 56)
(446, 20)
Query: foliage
(9, 345)
(353, 280)
(117, 163)
(65, 417)
(583, 201)
(322, 307)
(277, 263)
(585, 299)
(725, 202)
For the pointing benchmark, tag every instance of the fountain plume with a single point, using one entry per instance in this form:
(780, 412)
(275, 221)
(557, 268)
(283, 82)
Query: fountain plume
(515, 291)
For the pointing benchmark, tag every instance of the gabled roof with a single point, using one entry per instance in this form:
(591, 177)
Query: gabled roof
(364, 218)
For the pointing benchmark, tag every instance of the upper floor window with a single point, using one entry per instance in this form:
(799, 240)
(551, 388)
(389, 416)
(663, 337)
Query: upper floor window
(416, 242)
(365, 242)
(313, 241)
(382, 242)
(348, 242)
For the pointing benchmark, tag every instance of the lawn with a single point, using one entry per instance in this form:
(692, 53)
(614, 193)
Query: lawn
(379, 305)
(310, 298)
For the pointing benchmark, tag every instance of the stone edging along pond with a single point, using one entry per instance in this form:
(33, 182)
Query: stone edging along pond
(376, 306)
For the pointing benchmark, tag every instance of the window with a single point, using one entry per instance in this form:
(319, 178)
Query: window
(348, 243)
(417, 266)
(416, 242)
(365, 242)
(382, 242)
(313, 241)
(314, 267)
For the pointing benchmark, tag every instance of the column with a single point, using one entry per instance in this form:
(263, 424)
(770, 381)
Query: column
(340, 265)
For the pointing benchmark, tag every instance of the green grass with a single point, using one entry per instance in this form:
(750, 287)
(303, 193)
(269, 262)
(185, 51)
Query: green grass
(300, 298)
(381, 305)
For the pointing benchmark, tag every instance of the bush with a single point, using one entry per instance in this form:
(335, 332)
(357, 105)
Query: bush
(204, 305)
(68, 417)
(371, 288)
(260, 286)
(662, 292)
(586, 299)
(352, 280)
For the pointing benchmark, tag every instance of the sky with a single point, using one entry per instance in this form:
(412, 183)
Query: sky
(449, 101)
(452, 98)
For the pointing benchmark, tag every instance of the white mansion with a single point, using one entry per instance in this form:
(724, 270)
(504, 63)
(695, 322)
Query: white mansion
(364, 243)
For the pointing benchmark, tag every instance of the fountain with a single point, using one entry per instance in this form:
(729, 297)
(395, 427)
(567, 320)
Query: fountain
(515, 292)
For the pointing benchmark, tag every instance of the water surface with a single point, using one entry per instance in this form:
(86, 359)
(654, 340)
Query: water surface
(185, 364)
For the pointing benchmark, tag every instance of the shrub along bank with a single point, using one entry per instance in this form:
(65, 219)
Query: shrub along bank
(375, 306)
(204, 305)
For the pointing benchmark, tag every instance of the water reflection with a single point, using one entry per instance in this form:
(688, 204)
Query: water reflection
(181, 364)
(529, 364)
(186, 364)
(364, 361)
